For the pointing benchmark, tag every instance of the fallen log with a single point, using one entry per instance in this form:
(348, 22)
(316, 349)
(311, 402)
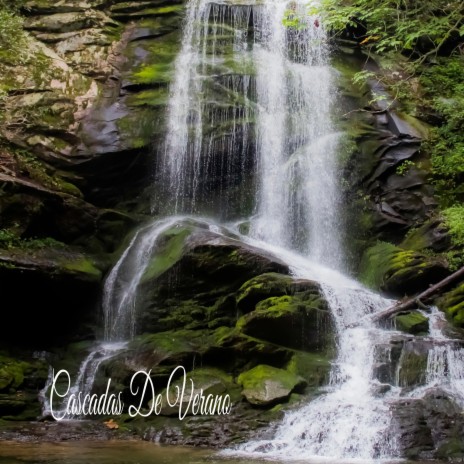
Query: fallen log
(417, 300)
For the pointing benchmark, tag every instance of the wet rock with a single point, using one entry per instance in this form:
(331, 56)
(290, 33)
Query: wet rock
(293, 321)
(414, 435)
(398, 271)
(430, 427)
(264, 385)
(20, 379)
(452, 303)
(412, 322)
(432, 235)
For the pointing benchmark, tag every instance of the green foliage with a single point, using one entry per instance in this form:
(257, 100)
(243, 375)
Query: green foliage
(295, 20)
(454, 220)
(393, 25)
(443, 86)
(9, 240)
(404, 167)
(12, 36)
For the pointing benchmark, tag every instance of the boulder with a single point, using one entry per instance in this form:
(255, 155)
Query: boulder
(293, 321)
(20, 378)
(400, 272)
(412, 322)
(193, 268)
(452, 303)
(264, 385)
(430, 427)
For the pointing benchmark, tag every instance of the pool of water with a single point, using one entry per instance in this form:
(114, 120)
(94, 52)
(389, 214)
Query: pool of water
(110, 452)
(131, 452)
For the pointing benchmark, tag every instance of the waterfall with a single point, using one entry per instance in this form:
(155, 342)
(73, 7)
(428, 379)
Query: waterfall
(351, 419)
(445, 362)
(297, 198)
(250, 138)
(121, 285)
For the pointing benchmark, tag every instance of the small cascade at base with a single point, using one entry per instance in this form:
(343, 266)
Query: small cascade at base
(352, 418)
(445, 362)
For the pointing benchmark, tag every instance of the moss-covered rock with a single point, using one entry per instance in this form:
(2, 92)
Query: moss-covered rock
(294, 321)
(400, 272)
(452, 303)
(412, 322)
(313, 367)
(20, 379)
(433, 235)
(261, 288)
(264, 385)
(412, 368)
(192, 275)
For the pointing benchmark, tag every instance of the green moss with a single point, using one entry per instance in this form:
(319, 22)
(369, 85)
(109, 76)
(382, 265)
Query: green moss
(11, 373)
(454, 220)
(452, 450)
(266, 385)
(10, 240)
(154, 73)
(138, 128)
(452, 303)
(84, 266)
(157, 11)
(313, 367)
(374, 264)
(37, 170)
(260, 288)
(270, 308)
(151, 98)
(174, 342)
(390, 268)
(412, 369)
(167, 254)
(412, 322)
(275, 306)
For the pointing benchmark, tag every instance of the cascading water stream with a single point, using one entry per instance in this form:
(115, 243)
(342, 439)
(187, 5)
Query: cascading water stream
(119, 303)
(445, 362)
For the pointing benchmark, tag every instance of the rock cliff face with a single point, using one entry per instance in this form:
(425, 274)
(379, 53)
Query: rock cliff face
(78, 123)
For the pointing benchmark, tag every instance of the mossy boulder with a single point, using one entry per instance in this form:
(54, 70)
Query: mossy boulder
(313, 367)
(412, 322)
(192, 276)
(433, 235)
(260, 288)
(400, 272)
(452, 303)
(412, 367)
(20, 380)
(296, 321)
(264, 385)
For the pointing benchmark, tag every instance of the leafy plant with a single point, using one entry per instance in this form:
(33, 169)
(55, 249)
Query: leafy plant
(454, 220)
(12, 37)
(409, 26)
(9, 240)
(404, 167)
(443, 87)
